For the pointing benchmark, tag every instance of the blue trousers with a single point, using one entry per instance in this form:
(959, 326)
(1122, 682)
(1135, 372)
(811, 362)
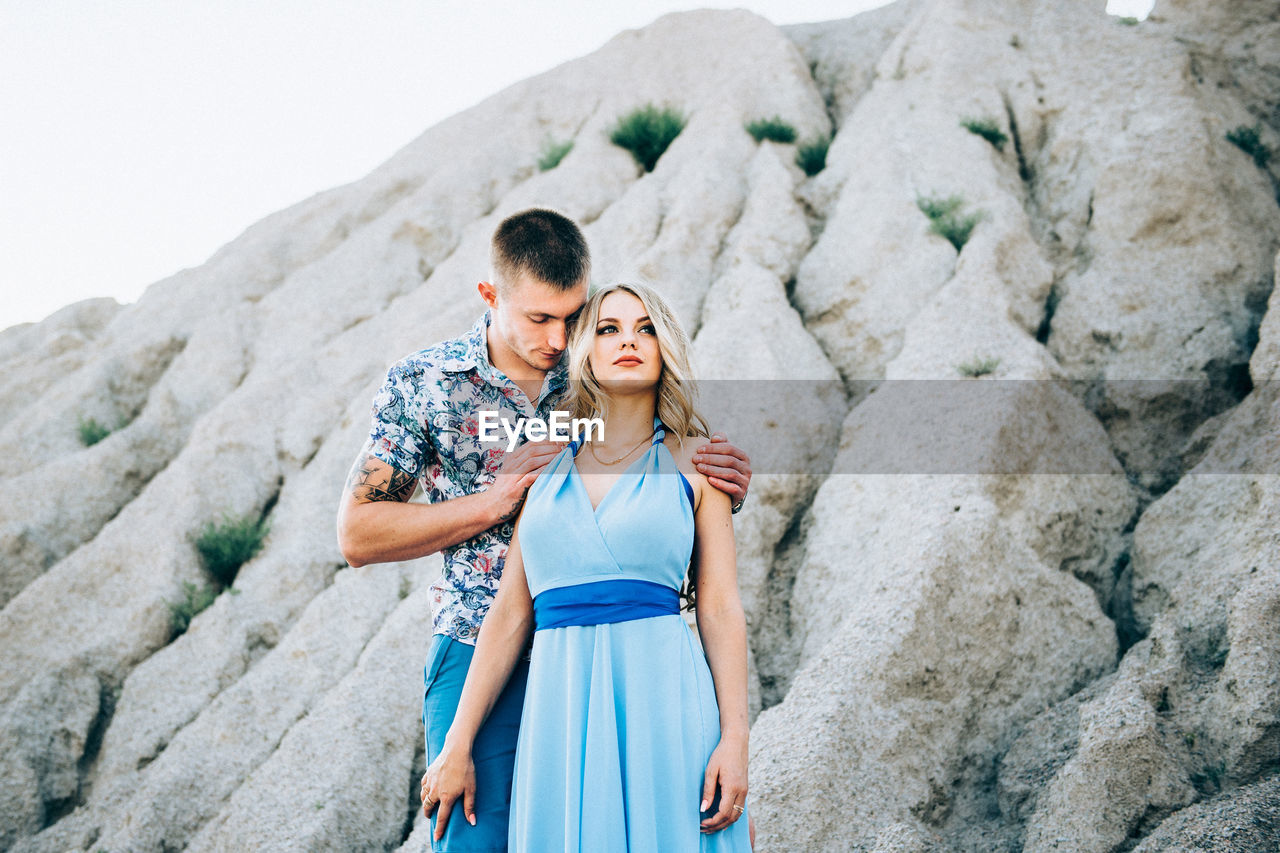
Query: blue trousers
(494, 751)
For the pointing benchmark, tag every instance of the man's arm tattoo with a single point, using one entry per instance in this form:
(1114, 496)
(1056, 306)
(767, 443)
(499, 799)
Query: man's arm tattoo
(381, 483)
(514, 510)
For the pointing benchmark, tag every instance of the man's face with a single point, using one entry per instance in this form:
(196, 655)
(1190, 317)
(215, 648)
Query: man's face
(532, 319)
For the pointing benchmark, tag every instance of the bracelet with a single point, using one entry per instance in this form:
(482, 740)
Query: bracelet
(739, 504)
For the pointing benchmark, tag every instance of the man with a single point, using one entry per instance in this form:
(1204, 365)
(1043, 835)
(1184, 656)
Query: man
(425, 429)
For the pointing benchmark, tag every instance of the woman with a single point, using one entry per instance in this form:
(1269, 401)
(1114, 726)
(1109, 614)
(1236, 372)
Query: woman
(631, 738)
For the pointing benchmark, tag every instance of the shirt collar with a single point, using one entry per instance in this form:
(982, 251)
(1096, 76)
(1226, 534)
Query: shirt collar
(471, 352)
(558, 377)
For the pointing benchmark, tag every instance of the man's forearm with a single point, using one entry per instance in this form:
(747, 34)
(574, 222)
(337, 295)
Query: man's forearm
(390, 531)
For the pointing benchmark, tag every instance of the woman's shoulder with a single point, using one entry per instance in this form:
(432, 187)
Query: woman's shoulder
(683, 453)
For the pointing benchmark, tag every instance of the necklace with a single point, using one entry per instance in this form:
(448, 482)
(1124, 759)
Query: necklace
(591, 447)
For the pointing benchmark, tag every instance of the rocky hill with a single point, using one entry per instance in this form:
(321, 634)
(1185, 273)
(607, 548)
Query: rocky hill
(1043, 618)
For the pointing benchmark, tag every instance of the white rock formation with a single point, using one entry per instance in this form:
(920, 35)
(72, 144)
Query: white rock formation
(1033, 606)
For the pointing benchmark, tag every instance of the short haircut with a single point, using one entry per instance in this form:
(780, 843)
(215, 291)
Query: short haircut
(542, 243)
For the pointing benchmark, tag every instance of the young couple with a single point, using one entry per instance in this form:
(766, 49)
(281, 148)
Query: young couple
(584, 716)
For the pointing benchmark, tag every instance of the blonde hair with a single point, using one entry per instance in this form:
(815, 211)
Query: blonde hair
(676, 388)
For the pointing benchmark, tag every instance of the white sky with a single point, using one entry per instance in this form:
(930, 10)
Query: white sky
(139, 136)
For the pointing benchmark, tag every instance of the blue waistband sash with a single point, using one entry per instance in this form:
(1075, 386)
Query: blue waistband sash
(600, 602)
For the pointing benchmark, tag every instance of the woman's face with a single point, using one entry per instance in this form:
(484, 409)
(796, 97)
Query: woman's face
(625, 356)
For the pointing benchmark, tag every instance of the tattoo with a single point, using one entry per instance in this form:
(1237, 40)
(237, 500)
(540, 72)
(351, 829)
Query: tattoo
(515, 507)
(368, 483)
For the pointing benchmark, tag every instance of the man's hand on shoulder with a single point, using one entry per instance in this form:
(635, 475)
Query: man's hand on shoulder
(376, 523)
(726, 467)
(519, 469)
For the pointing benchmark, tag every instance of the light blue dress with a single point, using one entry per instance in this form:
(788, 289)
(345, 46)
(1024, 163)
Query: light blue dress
(620, 714)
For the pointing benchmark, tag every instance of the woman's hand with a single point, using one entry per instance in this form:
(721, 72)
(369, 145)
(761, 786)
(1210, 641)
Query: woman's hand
(451, 775)
(728, 769)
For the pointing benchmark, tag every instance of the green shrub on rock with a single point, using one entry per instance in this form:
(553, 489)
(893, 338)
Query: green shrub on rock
(90, 431)
(812, 155)
(196, 600)
(773, 129)
(227, 546)
(1249, 140)
(647, 131)
(988, 129)
(946, 220)
(978, 367)
(552, 153)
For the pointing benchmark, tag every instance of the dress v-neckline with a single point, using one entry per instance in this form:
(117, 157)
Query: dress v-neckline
(595, 510)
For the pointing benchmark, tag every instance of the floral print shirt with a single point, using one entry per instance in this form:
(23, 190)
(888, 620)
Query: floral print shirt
(425, 422)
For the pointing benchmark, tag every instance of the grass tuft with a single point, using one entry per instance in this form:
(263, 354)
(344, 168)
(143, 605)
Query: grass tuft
(196, 600)
(552, 153)
(978, 367)
(936, 207)
(774, 129)
(812, 155)
(988, 129)
(946, 220)
(90, 431)
(1249, 140)
(227, 546)
(647, 131)
(1128, 21)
